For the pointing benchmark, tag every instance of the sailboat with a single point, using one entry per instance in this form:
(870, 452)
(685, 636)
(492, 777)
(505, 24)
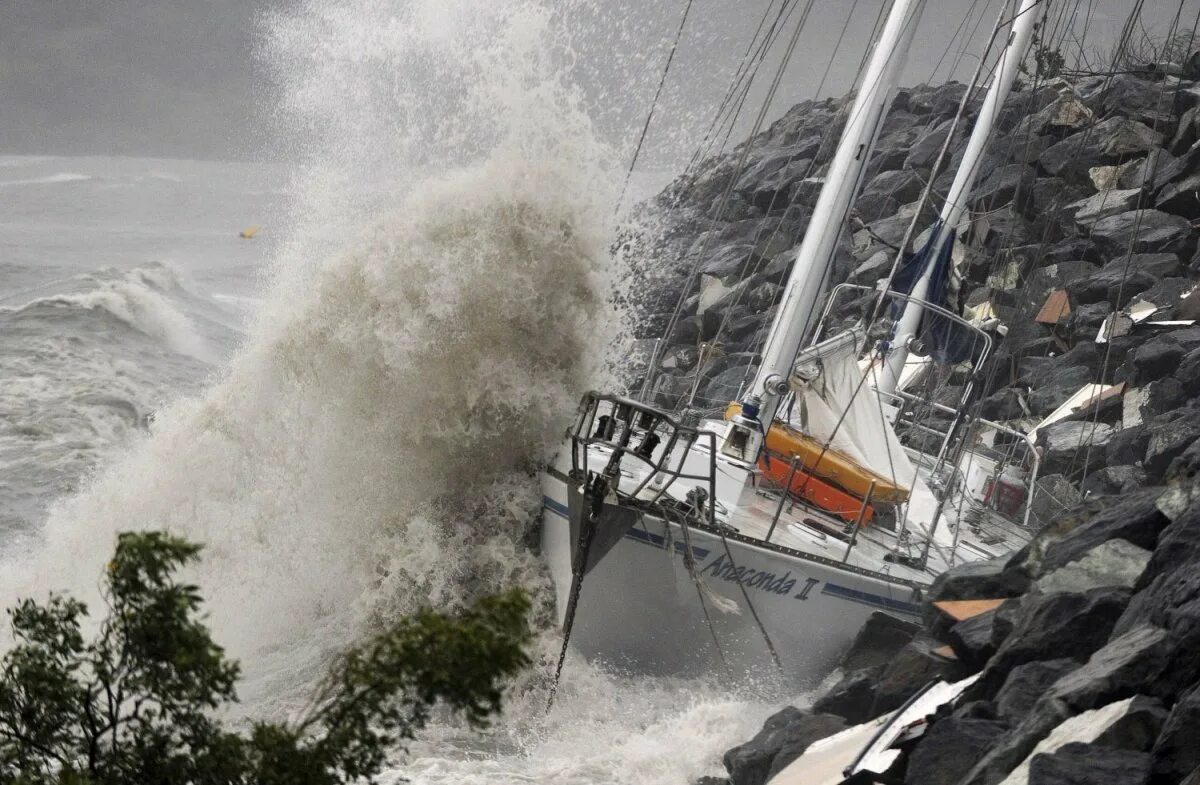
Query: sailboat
(757, 545)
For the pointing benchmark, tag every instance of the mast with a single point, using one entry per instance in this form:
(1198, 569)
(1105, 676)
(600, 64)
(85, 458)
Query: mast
(1013, 53)
(808, 275)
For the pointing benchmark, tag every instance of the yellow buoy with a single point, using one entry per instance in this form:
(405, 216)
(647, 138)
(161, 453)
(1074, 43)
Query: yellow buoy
(248, 232)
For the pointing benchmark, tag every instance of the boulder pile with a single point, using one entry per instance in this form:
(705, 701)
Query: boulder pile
(1082, 244)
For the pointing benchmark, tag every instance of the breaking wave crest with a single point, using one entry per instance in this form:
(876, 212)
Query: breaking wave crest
(144, 298)
(374, 446)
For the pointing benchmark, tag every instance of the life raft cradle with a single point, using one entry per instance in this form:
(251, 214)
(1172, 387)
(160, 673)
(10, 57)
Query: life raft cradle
(823, 477)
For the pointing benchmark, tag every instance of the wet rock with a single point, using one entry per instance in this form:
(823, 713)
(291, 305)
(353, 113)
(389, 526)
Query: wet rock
(1026, 684)
(949, 750)
(1177, 751)
(978, 580)
(1073, 446)
(853, 696)
(1113, 563)
(792, 730)
(1087, 764)
(912, 668)
(1123, 666)
(1009, 183)
(1111, 138)
(814, 728)
(925, 150)
(1087, 211)
(1127, 446)
(1051, 626)
(1162, 354)
(1064, 114)
(1181, 197)
(1115, 480)
(878, 641)
(1062, 383)
(1053, 494)
(903, 186)
(975, 640)
(875, 206)
(1141, 173)
(1170, 436)
(1142, 231)
(769, 181)
(1134, 519)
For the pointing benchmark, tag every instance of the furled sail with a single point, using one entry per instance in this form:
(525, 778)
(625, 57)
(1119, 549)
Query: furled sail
(941, 338)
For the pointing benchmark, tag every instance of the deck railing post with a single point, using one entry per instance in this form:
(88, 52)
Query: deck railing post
(783, 497)
(862, 513)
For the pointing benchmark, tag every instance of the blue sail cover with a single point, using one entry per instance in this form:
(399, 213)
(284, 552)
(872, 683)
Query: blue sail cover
(942, 339)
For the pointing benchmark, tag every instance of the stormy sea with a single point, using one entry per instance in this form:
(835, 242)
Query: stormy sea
(343, 406)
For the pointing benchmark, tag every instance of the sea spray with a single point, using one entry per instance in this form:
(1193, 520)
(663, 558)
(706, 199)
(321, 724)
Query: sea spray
(443, 297)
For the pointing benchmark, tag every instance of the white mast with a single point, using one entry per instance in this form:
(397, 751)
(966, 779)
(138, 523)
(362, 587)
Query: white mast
(956, 200)
(841, 184)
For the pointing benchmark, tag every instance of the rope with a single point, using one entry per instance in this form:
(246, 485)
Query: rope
(653, 104)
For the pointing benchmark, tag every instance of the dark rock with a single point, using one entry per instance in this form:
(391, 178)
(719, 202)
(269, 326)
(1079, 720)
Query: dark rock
(912, 668)
(925, 150)
(1072, 446)
(903, 186)
(878, 641)
(1085, 320)
(853, 697)
(1121, 668)
(813, 728)
(949, 749)
(974, 640)
(1142, 231)
(1061, 384)
(1115, 480)
(1170, 436)
(1134, 518)
(1009, 183)
(1163, 353)
(876, 206)
(1109, 139)
(1004, 404)
(1026, 684)
(1127, 446)
(1124, 277)
(1138, 728)
(1177, 751)
(1052, 626)
(1087, 211)
(1089, 764)
(1181, 197)
(753, 763)
(977, 580)
(1053, 494)
(1141, 173)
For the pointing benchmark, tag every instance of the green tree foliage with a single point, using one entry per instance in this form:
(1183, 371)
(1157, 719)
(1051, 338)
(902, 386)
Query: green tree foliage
(136, 704)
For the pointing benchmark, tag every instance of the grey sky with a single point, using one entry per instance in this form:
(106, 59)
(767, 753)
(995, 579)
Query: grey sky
(179, 77)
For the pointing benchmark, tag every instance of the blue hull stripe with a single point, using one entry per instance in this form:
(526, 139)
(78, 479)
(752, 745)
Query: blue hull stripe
(875, 600)
(639, 535)
(830, 589)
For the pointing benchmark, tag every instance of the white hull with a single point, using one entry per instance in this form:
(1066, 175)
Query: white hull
(640, 610)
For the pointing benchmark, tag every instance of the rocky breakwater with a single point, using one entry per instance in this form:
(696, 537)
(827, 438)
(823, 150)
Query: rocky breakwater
(1082, 244)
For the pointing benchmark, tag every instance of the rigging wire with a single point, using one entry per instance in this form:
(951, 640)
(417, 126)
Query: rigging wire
(687, 8)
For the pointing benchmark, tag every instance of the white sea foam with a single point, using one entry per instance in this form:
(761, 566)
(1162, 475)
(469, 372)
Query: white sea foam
(443, 298)
(140, 297)
(52, 179)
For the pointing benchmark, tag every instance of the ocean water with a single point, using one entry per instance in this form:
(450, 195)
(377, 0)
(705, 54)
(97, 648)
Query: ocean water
(349, 409)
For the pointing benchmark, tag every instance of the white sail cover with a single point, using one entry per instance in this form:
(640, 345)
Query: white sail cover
(864, 434)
